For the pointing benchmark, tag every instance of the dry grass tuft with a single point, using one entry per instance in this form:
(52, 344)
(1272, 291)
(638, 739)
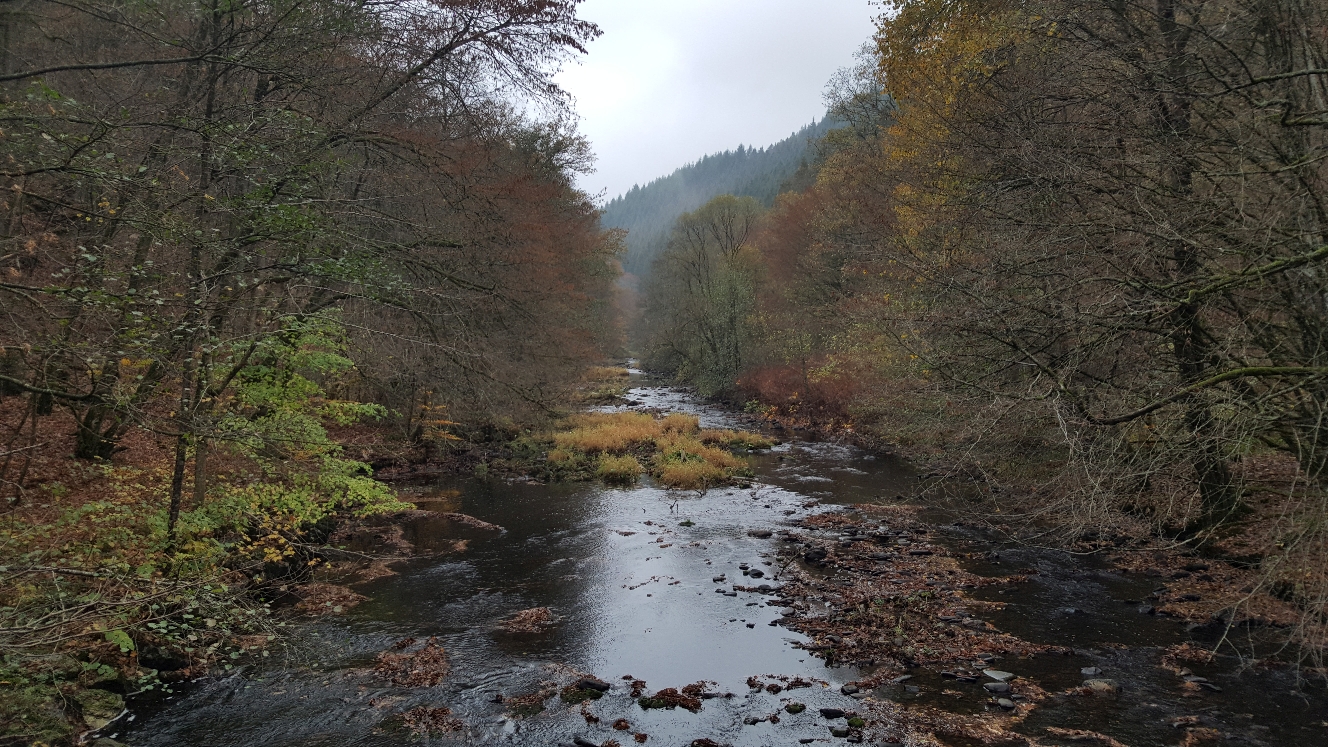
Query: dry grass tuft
(614, 433)
(677, 422)
(679, 453)
(619, 469)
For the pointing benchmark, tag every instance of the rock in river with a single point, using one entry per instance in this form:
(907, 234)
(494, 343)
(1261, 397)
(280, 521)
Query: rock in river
(760, 533)
(997, 687)
(1102, 686)
(832, 713)
(998, 675)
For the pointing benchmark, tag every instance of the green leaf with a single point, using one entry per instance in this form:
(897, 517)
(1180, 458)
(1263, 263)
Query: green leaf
(121, 639)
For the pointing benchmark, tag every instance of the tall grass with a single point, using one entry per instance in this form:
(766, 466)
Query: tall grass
(679, 453)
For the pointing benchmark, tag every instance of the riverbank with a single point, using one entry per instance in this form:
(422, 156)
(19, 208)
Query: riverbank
(685, 597)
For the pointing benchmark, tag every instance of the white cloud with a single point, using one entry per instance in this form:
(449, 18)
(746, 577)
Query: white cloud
(672, 80)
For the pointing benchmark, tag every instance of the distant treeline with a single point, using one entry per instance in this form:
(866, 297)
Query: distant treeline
(648, 213)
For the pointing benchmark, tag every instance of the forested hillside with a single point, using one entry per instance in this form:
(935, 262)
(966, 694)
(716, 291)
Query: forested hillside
(1078, 263)
(647, 213)
(230, 231)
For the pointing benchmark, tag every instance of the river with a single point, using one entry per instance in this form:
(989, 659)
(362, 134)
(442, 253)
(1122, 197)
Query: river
(630, 575)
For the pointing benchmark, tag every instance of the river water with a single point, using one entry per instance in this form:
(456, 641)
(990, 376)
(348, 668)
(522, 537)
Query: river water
(629, 573)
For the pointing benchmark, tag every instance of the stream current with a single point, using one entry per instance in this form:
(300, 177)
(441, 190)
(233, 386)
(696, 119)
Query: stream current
(630, 575)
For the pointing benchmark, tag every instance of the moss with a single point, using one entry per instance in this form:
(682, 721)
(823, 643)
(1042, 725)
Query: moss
(856, 722)
(573, 694)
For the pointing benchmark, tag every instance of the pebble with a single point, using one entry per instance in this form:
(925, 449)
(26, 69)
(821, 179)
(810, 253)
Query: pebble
(832, 713)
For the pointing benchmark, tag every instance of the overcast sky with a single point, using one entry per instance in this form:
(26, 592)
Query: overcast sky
(673, 80)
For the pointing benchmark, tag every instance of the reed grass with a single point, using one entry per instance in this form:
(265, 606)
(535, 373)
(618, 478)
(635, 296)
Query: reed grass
(680, 455)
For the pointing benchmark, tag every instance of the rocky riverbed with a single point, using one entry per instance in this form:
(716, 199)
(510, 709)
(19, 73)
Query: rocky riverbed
(811, 606)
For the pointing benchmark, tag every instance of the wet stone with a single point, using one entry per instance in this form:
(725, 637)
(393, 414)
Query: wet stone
(756, 573)
(760, 533)
(1102, 686)
(997, 687)
(839, 731)
(795, 708)
(592, 683)
(832, 713)
(1005, 703)
(998, 675)
(848, 689)
(1090, 672)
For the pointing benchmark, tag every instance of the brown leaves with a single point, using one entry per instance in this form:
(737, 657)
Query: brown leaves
(533, 620)
(425, 667)
(425, 720)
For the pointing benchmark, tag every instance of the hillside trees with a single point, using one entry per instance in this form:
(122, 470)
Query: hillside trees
(1095, 232)
(699, 310)
(187, 181)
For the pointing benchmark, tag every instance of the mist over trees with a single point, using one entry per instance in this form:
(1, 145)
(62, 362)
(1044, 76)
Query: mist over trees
(648, 212)
(1081, 245)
